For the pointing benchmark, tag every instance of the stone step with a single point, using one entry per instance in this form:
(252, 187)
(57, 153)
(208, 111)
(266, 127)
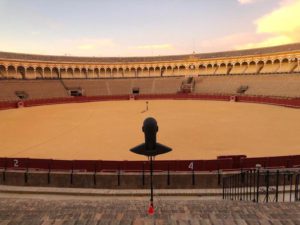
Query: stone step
(45, 210)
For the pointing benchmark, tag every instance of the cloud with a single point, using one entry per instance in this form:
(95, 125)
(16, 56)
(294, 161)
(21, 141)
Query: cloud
(233, 40)
(272, 41)
(278, 27)
(281, 21)
(155, 46)
(281, 26)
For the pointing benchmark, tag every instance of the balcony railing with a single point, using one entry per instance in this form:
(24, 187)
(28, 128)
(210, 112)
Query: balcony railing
(260, 185)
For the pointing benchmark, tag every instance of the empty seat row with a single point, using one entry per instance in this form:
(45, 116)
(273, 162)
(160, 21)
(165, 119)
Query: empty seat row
(34, 89)
(263, 85)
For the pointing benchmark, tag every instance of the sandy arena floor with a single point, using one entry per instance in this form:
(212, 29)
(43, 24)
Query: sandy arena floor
(107, 130)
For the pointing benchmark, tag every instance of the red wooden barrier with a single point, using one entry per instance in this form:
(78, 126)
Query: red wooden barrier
(134, 165)
(225, 164)
(109, 166)
(17, 163)
(247, 163)
(279, 161)
(2, 163)
(290, 102)
(295, 161)
(85, 165)
(163, 165)
(8, 105)
(63, 165)
(39, 164)
(211, 165)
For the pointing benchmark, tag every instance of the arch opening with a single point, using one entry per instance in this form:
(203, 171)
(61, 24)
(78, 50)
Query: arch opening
(30, 73)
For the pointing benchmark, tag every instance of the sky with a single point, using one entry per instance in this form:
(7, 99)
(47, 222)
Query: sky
(145, 27)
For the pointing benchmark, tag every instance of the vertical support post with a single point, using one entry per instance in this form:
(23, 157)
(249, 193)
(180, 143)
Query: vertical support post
(226, 187)
(291, 185)
(59, 73)
(243, 178)
(230, 187)
(238, 186)
(247, 185)
(223, 185)
(254, 185)
(235, 186)
(250, 185)
(283, 194)
(257, 185)
(267, 186)
(244, 185)
(277, 185)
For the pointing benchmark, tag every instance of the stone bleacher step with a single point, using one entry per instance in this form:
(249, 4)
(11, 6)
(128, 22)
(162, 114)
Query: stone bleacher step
(109, 192)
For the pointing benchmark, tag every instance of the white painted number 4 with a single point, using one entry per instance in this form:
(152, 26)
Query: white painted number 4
(191, 165)
(16, 163)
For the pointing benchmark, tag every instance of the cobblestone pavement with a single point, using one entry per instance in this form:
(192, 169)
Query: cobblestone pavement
(62, 210)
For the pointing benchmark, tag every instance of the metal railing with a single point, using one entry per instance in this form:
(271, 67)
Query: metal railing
(263, 185)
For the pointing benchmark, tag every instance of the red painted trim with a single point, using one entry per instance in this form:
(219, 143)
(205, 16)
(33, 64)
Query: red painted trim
(160, 165)
(288, 102)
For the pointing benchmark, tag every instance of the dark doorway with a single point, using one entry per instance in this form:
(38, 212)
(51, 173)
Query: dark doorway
(135, 90)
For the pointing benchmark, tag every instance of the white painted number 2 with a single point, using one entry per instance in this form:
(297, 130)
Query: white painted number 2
(191, 165)
(16, 163)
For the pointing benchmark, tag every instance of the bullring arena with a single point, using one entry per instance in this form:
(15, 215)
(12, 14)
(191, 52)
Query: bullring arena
(232, 119)
(107, 130)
